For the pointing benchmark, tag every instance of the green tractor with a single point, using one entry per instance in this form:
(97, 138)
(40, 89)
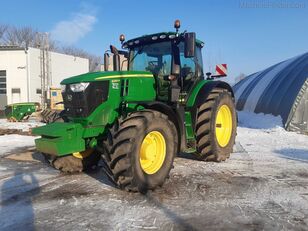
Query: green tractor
(137, 121)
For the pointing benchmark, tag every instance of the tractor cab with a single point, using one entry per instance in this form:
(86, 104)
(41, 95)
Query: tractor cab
(163, 54)
(174, 59)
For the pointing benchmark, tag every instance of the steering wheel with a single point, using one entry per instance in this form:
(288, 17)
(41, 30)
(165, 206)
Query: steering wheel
(189, 75)
(153, 63)
(152, 66)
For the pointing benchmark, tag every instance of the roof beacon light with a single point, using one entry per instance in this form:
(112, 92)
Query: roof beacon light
(122, 38)
(177, 25)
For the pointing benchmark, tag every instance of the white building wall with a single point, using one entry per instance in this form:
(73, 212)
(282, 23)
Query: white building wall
(62, 66)
(21, 66)
(34, 67)
(14, 63)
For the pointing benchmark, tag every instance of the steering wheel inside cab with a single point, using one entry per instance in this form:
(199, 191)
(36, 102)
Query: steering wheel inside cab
(153, 67)
(186, 73)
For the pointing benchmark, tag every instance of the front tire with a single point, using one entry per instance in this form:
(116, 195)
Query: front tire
(139, 150)
(216, 126)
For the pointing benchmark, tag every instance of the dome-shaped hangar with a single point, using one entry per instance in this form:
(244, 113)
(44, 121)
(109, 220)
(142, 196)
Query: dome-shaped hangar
(281, 90)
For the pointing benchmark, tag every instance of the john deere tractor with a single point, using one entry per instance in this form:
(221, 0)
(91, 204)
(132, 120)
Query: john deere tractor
(137, 120)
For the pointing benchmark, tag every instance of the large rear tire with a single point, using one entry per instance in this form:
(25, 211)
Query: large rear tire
(139, 150)
(216, 126)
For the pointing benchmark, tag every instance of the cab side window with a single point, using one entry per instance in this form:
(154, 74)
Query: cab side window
(188, 69)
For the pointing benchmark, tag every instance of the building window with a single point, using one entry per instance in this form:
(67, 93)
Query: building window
(2, 82)
(16, 90)
(38, 91)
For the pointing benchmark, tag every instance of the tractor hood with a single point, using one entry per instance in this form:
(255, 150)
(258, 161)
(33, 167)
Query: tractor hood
(106, 75)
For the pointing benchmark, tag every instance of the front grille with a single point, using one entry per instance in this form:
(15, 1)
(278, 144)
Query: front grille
(82, 104)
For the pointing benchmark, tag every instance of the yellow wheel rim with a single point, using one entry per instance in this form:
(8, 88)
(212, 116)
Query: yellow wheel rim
(84, 154)
(152, 152)
(12, 119)
(223, 125)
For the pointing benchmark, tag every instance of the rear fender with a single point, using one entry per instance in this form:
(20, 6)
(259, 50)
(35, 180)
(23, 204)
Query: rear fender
(203, 93)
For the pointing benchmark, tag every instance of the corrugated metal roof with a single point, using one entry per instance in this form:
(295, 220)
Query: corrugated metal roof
(273, 90)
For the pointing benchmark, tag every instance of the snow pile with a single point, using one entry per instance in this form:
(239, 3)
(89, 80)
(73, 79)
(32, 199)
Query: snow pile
(259, 121)
(264, 135)
(15, 143)
(24, 126)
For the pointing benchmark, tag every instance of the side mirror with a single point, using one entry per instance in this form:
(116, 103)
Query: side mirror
(189, 45)
(106, 61)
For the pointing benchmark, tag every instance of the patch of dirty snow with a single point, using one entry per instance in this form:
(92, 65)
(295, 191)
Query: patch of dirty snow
(24, 126)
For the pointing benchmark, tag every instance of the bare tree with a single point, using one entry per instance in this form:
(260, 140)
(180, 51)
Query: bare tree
(94, 60)
(24, 36)
(29, 37)
(71, 50)
(95, 63)
(3, 29)
(10, 37)
(54, 46)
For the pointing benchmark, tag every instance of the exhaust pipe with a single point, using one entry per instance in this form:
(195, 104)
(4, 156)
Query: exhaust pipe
(116, 58)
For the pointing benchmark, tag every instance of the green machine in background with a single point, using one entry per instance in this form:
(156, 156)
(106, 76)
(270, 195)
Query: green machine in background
(20, 111)
(137, 120)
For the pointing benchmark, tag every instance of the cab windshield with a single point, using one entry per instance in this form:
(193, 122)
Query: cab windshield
(157, 58)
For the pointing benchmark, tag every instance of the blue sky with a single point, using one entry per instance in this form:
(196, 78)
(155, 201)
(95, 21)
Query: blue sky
(248, 35)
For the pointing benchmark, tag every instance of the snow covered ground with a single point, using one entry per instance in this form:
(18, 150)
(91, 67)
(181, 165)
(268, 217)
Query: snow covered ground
(264, 133)
(14, 143)
(263, 186)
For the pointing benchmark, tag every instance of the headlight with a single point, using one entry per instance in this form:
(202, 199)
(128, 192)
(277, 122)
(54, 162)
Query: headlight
(63, 88)
(78, 87)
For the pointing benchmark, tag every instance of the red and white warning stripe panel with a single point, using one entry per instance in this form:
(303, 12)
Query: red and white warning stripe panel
(221, 70)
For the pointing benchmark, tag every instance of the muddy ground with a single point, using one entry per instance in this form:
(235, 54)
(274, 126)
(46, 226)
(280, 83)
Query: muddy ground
(14, 131)
(247, 192)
